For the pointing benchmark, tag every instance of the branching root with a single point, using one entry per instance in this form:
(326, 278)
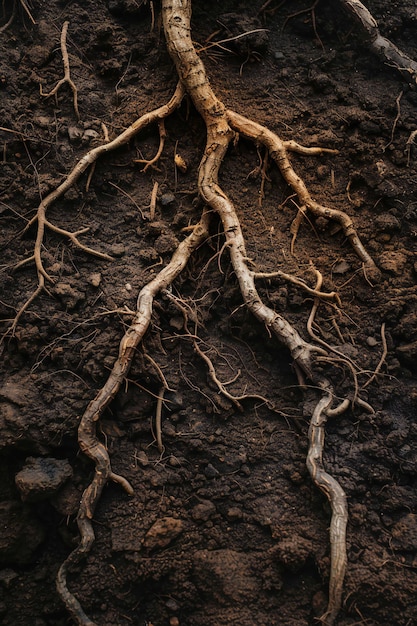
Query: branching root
(380, 45)
(222, 127)
(87, 435)
(67, 74)
(88, 160)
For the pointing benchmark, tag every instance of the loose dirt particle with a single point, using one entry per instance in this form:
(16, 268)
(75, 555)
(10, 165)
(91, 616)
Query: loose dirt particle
(163, 532)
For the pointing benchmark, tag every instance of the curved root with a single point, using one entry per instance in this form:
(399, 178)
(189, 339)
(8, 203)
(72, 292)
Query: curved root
(380, 45)
(83, 164)
(336, 496)
(87, 436)
(176, 19)
(221, 125)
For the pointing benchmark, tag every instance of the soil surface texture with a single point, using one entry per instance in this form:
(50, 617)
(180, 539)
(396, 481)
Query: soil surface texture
(225, 526)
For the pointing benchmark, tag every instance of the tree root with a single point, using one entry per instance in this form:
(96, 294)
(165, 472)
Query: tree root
(410, 141)
(151, 162)
(278, 150)
(222, 125)
(67, 74)
(89, 159)
(336, 496)
(380, 45)
(87, 436)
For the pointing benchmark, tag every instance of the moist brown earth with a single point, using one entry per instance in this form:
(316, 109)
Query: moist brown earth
(225, 526)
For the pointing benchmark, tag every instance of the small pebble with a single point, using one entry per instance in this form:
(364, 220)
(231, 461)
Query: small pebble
(372, 342)
(387, 223)
(43, 122)
(95, 279)
(167, 198)
(41, 477)
(163, 532)
(75, 133)
(341, 268)
(234, 513)
(7, 576)
(142, 458)
(203, 511)
(171, 604)
(89, 134)
(210, 471)
(117, 249)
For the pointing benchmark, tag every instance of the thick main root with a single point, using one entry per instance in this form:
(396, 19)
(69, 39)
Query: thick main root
(222, 127)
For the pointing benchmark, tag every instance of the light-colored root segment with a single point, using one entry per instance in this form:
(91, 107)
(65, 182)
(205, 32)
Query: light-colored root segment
(87, 436)
(278, 151)
(380, 45)
(176, 18)
(220, 126)
(83, 164)
(91, 157)
(337, 498)
(152, 162)
(67, 73)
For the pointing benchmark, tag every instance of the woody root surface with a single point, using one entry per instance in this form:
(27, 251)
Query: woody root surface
(314, 359)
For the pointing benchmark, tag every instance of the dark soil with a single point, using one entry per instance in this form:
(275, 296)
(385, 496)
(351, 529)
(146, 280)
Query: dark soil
(226, 526)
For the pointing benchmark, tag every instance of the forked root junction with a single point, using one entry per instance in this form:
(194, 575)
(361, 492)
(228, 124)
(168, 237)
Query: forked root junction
(380, 45)
(88, 160)
(87, 432)
(222, 125)
(67, 74)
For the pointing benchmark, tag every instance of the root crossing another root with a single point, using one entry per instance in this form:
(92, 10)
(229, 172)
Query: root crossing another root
(222, 127)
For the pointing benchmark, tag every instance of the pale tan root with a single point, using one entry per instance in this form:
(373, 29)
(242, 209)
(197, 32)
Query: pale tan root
(158, 420)
(221, 130)
(220, 125)
(382, 359)
(188, 314)
(162, 135)
(337, 499)
(67, 74)
(83, 164)
(87, 436)
(409, 144)
(278, 151)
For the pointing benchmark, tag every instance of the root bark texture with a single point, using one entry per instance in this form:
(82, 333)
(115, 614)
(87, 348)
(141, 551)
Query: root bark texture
(337, 498)
(222, 126)
(87, 435)
(89, 159)
(380, 45)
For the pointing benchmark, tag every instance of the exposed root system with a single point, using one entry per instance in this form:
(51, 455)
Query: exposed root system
(222, 126)
(314, 358)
